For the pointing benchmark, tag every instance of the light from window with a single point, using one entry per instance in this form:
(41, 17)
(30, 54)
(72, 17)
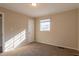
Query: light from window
(45, 25)
(15, 41)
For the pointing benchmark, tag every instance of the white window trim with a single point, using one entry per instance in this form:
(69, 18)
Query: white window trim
(45, 20)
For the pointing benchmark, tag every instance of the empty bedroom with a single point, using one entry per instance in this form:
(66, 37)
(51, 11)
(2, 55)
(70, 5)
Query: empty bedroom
(39, 29)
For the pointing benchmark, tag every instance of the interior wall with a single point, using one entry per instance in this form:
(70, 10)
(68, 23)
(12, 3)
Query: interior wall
(63, 31)
(78, 29)
(14, 23)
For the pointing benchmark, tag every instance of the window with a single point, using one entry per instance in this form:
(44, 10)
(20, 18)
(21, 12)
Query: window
(45, 25)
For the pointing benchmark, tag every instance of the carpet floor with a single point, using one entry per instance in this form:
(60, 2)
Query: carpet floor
(40, 49)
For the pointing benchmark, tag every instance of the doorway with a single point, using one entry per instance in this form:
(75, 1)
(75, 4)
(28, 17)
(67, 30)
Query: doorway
(1, 32)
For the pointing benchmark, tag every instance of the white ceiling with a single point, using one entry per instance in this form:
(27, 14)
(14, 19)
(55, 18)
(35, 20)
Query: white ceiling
(41, 9)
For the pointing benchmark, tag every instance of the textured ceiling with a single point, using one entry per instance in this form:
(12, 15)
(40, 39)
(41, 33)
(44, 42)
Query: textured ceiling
(41, 9)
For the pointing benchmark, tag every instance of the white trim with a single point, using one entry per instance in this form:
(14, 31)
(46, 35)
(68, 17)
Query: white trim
(2, 31)
(58, 45)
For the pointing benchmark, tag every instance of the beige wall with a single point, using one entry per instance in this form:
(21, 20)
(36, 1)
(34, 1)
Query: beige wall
(78, 29)
(14, 23)
(63, 30)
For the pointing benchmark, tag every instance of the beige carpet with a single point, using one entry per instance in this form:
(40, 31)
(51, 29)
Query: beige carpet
(39, 49)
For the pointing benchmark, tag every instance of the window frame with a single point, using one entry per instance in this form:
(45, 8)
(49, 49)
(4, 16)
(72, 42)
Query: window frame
(44, 21)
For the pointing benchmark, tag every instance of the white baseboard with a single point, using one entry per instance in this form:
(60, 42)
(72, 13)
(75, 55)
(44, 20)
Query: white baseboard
(59, 46)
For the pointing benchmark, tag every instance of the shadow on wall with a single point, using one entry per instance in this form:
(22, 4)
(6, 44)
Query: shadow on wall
(15, 41)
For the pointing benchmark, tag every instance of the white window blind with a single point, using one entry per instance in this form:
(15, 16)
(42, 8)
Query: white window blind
(45, 25)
